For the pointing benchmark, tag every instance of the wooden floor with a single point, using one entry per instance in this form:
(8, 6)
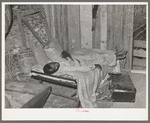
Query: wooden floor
(21, 92)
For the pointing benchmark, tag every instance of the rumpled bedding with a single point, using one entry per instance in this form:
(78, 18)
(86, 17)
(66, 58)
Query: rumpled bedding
(89, 78)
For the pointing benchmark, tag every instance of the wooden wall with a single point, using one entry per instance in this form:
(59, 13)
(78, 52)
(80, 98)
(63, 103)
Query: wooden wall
(72, 24)
(139, 38)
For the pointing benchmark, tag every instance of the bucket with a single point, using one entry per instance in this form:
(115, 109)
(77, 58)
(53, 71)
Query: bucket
(26, 60)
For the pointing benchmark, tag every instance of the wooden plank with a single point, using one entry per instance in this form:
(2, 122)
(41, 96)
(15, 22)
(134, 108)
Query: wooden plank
(65, 27)
(139, 62)
(21, 29)
(118, 27)
(50, 15)
(96, 31)
(25, 87)
(39, 100)
(139, 53)
(55, 21)
(86, 25)
(110, 27)
(138, 69)
(103, 27)
(46, 9)
(139, 43)
(58, 17)
(128, 33)
(74, 28)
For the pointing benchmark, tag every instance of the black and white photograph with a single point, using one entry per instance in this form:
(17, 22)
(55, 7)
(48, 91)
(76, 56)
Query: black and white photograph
(75, 61)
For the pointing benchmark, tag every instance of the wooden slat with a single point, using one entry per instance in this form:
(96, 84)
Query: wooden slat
(86, 25)
(58, 17)
(139, 62)
(110, 27)
(65, 29)
(74, 27)
(139, 43)
(96, 32)
(103, 27)
(25, 87)
(39, 100)
(28, 12)
(128, 33)
(21, 29)
(50, 15)
(46, 9)
(118, 27)
(139, 53)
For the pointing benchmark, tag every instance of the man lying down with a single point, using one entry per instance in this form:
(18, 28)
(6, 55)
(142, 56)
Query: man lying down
(87, 66)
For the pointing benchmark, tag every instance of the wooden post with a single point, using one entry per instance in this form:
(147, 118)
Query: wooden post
(86, 25)
(103, 27)
(128, 33)
(74, 27)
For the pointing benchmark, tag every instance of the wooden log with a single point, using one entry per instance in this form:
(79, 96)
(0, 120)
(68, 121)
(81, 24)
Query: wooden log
(96, 31)
(103, 27)
(139, 53)
(128, 33)
(86, 25)
(139, 62)
(139, 43)
(74, 27)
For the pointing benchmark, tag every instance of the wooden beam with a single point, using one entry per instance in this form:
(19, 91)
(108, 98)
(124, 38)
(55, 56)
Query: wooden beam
(103, 27)
(139, 53)
(74, 39)
(128, 33)
(86, 25)
(139, 43)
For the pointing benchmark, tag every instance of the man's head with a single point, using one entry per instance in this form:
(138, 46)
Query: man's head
(51, 68)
